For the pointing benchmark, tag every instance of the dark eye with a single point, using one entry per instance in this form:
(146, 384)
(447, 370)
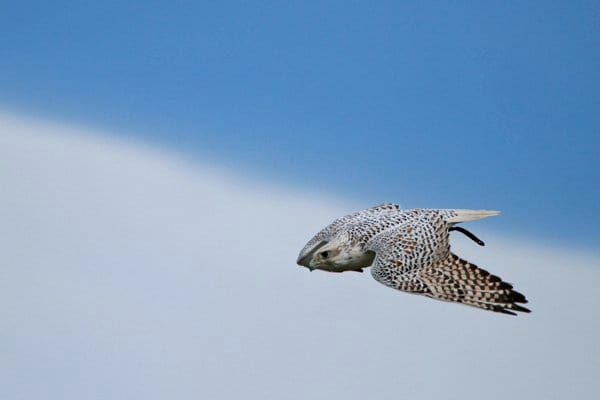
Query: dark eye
(325, 254)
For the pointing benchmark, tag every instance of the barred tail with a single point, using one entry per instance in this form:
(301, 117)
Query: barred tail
(455, 279)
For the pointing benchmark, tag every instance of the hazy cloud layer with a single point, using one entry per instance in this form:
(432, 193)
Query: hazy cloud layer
(130, 273)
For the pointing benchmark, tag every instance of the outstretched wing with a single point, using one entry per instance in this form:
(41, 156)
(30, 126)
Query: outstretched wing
(415, 257)
(455, 279)
(338, 225)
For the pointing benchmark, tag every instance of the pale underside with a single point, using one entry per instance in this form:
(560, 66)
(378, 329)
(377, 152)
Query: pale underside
(410, 251)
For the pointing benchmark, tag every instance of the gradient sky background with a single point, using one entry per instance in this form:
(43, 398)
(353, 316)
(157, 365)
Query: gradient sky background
(129, 272)
(162, 163)
(459, 104)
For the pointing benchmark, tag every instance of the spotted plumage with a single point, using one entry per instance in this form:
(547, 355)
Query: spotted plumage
(409, 250)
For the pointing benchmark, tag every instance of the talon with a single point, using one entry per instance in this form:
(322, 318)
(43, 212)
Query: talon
(467, 234)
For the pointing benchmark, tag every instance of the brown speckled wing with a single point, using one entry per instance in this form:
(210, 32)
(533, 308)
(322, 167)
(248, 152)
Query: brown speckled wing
(455, 279)
(404, 251)
(415, 257)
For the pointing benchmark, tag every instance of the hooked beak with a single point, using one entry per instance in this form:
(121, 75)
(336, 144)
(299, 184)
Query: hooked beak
(305, 257)
(312, 265)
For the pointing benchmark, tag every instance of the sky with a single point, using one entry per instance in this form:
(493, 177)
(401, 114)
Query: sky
(161, 165)
(427, 104)
(129, 272)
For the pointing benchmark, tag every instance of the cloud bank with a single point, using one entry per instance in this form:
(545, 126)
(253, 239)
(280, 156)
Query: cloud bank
(128, 272)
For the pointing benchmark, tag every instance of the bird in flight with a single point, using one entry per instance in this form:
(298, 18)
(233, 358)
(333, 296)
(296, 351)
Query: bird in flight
(409, 250)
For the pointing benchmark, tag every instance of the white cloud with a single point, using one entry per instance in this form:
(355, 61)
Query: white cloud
(127, 272)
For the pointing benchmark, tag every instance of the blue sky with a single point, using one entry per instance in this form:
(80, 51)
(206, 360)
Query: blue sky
(130, 272)
(435, 104)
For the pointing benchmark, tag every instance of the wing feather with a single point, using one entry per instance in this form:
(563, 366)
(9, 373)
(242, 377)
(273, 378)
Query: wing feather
(415, 257)
(402, 252)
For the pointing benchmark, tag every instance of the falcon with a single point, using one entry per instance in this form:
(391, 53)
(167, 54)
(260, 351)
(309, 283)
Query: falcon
(409, 250)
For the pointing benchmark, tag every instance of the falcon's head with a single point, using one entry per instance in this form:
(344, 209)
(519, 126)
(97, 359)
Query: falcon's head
(335, 256)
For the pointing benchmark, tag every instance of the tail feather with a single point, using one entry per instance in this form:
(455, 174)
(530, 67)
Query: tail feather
(455, 279)
(459, 215)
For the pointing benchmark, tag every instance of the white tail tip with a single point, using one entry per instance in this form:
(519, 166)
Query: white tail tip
(471, 215)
